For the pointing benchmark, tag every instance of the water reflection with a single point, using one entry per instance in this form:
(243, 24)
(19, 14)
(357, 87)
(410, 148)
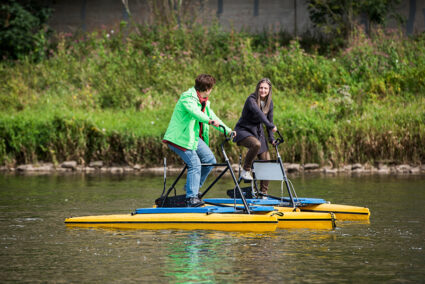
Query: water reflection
(193, 258)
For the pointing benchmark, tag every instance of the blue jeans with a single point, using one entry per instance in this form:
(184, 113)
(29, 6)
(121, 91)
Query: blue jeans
(196, 175)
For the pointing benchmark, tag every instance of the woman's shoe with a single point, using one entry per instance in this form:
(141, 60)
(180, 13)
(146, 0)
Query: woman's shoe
(246, 175)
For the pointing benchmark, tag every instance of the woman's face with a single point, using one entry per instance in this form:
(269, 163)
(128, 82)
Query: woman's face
(264, 90)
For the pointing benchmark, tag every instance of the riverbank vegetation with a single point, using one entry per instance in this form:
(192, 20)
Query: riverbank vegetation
(109, 95)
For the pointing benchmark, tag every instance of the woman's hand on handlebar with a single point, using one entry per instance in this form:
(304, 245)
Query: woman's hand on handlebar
(232, 134)
(274, 129)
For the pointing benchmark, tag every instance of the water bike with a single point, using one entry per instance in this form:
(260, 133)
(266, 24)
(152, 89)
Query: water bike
(275, 170)
(287, 217)
(170, 212)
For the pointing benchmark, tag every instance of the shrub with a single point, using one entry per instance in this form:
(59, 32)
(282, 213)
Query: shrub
(339, 108)
(23, 30)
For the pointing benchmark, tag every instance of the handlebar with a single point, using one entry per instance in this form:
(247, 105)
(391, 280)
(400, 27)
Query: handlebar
(279, 140)
(224, 129)
(225, 133)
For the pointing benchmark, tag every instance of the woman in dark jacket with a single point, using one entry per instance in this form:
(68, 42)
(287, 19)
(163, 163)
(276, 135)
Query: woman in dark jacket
(257, 111)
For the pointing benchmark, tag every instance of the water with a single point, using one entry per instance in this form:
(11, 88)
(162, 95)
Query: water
(36, 246)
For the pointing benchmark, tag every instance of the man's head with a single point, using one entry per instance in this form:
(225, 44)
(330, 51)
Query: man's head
(204, 82)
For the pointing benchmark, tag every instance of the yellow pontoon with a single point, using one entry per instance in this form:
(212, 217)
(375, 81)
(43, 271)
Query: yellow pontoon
(182, 218)
(342, 212)
(288, 217)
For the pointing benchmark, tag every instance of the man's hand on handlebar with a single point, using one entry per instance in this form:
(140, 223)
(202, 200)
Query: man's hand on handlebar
(232, 134)
(274, 129)
(214, 122)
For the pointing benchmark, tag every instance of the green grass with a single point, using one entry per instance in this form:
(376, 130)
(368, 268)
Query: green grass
(110, 98)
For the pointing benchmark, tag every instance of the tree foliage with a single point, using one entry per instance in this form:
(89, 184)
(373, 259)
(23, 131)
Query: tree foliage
(337, 19)
(23, 29)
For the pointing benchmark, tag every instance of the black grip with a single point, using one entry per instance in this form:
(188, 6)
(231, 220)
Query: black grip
(280, 139)
(224, 130)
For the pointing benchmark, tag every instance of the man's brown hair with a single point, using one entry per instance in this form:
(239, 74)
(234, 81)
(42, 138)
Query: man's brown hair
(204, 82)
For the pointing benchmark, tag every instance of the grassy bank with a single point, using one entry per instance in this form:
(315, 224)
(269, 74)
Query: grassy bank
(108, 96)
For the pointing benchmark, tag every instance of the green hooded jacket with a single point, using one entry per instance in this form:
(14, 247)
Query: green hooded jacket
(183, 129)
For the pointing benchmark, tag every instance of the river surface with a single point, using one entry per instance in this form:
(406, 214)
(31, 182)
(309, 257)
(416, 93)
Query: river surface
(36, 246)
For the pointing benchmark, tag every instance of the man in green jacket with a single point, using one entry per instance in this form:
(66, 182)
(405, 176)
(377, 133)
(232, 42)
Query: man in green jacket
(188, 135)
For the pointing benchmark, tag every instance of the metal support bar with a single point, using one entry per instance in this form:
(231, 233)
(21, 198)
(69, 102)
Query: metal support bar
(214, 182)
(172, 186)
(229, 166)
(284, 177)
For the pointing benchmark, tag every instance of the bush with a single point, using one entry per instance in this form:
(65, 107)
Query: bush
(23, 30)
(361, 104)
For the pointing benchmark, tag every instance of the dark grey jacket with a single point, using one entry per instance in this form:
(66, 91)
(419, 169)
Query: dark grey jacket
(251, 123)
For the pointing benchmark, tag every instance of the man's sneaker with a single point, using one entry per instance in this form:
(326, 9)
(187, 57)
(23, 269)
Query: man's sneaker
(194, 202)
(246, 175)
